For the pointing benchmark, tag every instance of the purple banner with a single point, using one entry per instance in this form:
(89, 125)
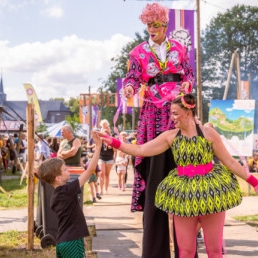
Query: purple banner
(123, 106)
(181, 28)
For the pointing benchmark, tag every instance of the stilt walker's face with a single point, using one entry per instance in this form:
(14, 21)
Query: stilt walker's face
(157, 31)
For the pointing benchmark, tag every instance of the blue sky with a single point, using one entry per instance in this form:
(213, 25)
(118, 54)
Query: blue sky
(62, 47)
(233, 109)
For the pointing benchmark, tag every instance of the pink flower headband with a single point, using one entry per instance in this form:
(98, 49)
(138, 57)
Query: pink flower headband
(186, 105)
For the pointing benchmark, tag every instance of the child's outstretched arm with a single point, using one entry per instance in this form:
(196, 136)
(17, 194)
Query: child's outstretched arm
(94, 161)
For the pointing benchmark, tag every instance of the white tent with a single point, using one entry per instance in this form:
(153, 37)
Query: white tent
(54, 130)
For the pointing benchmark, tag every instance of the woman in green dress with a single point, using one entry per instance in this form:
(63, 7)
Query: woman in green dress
(196, 190)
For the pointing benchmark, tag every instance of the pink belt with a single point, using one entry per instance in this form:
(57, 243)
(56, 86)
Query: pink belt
(191, 170)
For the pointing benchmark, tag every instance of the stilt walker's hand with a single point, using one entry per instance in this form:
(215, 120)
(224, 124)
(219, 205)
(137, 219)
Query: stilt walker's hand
(113, 142)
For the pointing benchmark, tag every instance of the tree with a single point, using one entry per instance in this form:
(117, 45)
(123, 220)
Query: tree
(237, 29)
(74, 105)
(41, 128)
(119, 71)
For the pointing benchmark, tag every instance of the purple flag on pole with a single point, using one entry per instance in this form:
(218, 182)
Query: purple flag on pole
(181, 28)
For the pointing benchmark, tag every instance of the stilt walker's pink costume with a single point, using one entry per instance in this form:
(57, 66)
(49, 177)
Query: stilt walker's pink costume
(162, 80)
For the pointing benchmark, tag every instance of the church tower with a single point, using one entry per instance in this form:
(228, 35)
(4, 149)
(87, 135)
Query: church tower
(2, 94)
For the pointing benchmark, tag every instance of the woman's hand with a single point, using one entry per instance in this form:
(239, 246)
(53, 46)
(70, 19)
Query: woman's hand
(104, 137)
(128, 92)
(185, 86)
(113, 142)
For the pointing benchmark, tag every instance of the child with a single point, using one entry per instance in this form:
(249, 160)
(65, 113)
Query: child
(72, 227)
(121, 163)
(93, 180)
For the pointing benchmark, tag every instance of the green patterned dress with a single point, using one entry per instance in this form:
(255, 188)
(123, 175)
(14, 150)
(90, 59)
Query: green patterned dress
(185, 196)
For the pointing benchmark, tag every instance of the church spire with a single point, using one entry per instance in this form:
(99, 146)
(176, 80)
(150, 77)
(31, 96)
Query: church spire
(2, 94)
(1, 85)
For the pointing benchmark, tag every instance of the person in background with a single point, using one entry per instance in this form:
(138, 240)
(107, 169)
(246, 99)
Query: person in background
(23, 151)
(104, 125)
(106, 161)
(84, 152)
(5, 155)
(253, 163)
(54, 147)
(133, 140)
(43, 149)
(70, 147)
(11, 146)
(162, 65)
(196, 190)
(93, 180)
(123, 138)
(121, 163)
(72, 227)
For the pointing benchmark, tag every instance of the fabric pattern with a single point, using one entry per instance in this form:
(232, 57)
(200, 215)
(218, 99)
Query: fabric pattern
(70, 249)
(153, 120)
(185, 196)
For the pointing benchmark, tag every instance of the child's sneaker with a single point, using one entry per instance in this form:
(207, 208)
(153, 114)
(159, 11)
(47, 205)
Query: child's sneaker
(98, 196)
(94, 200)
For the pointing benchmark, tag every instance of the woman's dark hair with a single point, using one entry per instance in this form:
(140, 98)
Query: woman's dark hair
(186, 101)
(54, 145)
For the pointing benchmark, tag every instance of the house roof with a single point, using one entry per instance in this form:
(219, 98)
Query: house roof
(17, 109)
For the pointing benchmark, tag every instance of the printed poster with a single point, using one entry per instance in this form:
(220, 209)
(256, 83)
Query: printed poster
(234, 121)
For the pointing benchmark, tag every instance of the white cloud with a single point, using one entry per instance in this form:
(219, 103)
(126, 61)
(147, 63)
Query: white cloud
(54, 12)
(59, 68)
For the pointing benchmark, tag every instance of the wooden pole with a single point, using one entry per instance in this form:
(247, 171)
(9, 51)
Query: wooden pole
(238, 76)
(30, 138)
(199, 63)
(229, 75)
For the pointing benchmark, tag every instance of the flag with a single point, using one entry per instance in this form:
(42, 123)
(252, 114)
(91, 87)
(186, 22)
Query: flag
(32, 98)
(181, 28)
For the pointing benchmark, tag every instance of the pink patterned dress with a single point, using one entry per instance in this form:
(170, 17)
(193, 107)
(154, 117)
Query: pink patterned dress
(154, 115)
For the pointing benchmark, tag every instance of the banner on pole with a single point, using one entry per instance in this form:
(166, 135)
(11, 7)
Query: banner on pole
(32, 98)
(181, 28)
